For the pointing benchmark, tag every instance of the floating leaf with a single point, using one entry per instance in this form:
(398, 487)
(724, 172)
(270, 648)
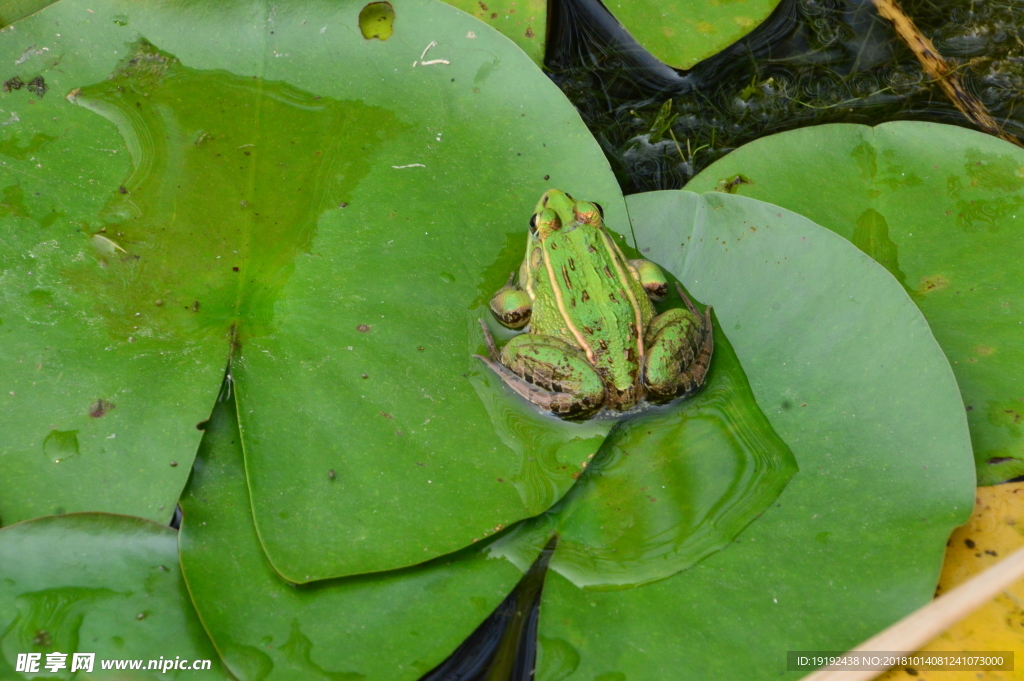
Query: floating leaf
(14, 10)
(261, 181)
(101, 584)
(940, 207)
(989, 537)
(668, 488)
(683, 32)
(394, 625)
(524, 22)
(847, 372)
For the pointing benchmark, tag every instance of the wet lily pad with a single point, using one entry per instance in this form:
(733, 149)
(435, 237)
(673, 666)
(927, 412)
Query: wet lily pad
(102, 584)
(848, 374)
(668, 488)
(940, 207)
(683, 32)
(330, 210)
(395, 625)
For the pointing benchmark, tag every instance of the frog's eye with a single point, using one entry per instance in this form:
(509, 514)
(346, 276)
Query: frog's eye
(544, 223)
(587, 213)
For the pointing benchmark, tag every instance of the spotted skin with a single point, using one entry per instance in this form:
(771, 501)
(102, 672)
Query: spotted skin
(594, 341)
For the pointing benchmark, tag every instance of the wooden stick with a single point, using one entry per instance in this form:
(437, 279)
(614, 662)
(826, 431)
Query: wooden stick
(921, 626)
(937, 67)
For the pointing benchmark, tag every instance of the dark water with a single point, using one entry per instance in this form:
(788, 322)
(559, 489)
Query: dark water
(504, 646)
(811, 62)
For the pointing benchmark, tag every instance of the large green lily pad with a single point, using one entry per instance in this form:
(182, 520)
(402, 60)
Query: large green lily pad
(332, 211)
(102, 584)
(683, 32)
(940, 207)
(846, 370)
(394, 625)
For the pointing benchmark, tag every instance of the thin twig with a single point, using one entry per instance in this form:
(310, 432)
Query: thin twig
(969, 105)
(921, 626)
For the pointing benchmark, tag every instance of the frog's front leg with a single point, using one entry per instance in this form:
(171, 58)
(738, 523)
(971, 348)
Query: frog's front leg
(650, 277)
(511, 305)
(679, 344)
(549, 372)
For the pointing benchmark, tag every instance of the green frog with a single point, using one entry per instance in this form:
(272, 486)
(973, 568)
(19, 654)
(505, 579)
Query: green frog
(593, 340)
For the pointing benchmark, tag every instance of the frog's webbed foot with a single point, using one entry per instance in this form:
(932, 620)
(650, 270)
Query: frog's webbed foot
(689, 304)
(680, 344)
(511, 305)
(548, 372)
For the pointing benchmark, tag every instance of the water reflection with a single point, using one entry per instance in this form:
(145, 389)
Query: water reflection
(669, 487)
(229, 177)
(552, 452)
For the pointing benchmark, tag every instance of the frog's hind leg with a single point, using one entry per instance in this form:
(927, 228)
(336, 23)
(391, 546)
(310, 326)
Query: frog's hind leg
(548, 372)
(691, 307)
(680, 344)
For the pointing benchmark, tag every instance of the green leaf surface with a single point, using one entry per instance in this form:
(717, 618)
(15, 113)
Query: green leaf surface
(15, 10)
(846, 370)
(260, 179)
(942, 208)
(103, 584)
(524, 22)
(683, 32)
(668, 488)
(394, 625)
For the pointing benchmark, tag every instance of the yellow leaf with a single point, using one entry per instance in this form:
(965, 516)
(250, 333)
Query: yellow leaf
(995, 530)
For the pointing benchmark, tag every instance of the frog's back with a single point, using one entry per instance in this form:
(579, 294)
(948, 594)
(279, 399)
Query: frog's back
(600, 302)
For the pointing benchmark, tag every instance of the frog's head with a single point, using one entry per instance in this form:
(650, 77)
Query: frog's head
(557, 210)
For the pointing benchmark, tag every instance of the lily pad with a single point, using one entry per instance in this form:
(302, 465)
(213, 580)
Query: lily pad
(394, 625)
(524, 22)
(101, 584)
(683, 32)
(15, 10)
(332, 211)
(846, 370)
(942, 208)
(668, 488)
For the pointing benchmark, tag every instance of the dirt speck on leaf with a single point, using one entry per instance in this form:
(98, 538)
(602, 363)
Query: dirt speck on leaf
(100, 408)
(729, 185)
(37, 86)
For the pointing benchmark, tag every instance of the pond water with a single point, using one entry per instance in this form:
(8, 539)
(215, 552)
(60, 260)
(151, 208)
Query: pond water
(810, 62)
